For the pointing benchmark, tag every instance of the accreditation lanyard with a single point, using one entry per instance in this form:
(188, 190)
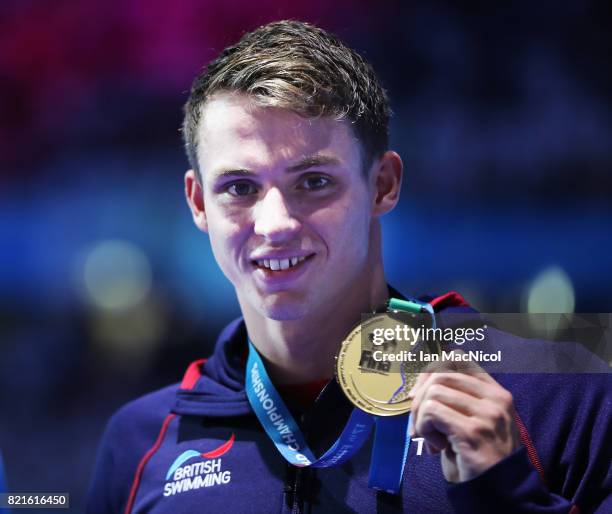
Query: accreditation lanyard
(387, 463)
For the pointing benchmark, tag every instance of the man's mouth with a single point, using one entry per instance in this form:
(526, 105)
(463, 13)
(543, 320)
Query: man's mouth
(279, 265)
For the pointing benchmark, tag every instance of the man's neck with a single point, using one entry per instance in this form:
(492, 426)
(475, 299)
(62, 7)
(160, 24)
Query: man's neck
(303, 350)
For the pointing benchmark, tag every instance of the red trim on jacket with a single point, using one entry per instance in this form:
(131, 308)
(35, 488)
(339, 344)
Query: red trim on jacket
(193, 374)
(144, 460)
(450, 299)
(221, 450)
(531, 451)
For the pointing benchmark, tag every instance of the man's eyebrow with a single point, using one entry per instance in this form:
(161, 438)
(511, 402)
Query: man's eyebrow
(234, 173)
(313, 161)
(306, 163)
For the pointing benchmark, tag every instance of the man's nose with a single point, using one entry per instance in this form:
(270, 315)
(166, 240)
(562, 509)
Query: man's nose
(273, 218)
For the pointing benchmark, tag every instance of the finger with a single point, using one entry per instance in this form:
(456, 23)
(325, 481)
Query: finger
(454, 398)
(462, 382)
(436, 419)
(472, 379)
(424, 376)
(427, 371)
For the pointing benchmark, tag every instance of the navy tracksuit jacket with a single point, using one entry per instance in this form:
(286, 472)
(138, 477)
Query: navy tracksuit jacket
(198, 447)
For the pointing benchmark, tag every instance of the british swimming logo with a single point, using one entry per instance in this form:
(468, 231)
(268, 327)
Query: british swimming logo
(183, 477)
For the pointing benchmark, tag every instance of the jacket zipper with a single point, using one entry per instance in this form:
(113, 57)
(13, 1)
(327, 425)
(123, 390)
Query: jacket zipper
(296, 493)
(298, 499)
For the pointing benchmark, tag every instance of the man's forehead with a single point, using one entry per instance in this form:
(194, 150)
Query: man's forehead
(240, 115)
(234, 124)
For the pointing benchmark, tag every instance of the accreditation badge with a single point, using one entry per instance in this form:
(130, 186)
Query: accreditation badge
(380, 360)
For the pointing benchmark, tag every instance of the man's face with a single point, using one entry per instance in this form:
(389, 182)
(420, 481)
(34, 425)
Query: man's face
(286, 206)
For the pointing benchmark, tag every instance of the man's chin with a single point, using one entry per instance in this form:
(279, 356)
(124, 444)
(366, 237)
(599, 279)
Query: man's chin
(283, 313)
(283, 309)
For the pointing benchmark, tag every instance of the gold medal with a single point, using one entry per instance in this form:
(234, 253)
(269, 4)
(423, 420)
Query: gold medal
(379, 362)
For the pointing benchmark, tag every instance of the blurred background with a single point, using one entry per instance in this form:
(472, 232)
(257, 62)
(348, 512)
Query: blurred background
(503, 117)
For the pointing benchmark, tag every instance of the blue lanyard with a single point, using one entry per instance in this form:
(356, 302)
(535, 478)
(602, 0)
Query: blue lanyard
(387, 463)
(285, 432)
(387, 466)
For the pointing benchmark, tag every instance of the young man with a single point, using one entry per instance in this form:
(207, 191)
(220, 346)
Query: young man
(286, 134)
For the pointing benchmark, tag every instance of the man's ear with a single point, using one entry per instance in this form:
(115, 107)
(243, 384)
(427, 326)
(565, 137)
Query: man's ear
(195, 200)
(387, 181)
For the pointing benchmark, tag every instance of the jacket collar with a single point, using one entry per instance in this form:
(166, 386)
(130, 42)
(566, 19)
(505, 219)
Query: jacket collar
(215, 387)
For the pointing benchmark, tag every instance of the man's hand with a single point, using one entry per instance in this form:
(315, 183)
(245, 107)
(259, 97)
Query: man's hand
(466, 416)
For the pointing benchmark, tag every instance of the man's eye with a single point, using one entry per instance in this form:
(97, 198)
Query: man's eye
(241, 189)
(314, 182)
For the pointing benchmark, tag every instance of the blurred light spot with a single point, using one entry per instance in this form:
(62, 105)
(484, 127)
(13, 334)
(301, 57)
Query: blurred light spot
(117, 275)
(129, 339)
(551, 291)
(549, 296)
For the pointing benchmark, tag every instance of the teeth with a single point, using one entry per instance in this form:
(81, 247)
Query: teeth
(279, 264)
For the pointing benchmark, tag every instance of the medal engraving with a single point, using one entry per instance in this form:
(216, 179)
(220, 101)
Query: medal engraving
(375, 374)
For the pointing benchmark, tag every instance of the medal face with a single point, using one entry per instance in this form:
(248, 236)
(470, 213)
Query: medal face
(377, 369)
